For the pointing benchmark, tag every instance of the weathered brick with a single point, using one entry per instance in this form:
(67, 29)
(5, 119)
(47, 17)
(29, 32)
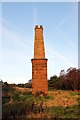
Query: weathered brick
(39, 63)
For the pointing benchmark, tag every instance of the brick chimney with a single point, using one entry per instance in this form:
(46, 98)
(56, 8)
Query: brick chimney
(39, 63)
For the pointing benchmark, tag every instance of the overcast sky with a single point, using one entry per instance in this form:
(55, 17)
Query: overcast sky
(60, 25)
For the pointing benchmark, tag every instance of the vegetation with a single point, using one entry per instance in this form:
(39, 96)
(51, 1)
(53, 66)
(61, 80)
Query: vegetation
(62, 101)
(20, 109)
(66, 81)
(62, 112)
(41, 106)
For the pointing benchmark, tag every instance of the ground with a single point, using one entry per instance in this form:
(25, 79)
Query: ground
(57, 104)
(55, 97)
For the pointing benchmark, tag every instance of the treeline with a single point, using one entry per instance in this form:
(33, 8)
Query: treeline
(69, 80)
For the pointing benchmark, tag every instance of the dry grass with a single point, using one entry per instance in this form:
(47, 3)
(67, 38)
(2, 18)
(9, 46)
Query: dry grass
(62, 98)
(58, 97)
(22, 90)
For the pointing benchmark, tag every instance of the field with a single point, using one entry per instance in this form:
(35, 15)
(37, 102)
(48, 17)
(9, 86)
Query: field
(57, 104)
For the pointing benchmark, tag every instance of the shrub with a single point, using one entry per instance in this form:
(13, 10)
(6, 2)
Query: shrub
(5, 99)
(16, 96)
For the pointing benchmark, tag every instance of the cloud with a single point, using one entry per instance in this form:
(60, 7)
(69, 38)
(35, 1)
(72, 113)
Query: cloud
(24, 44)
(60, 57)
(15, 37)
(12, 31)
(62, 21)
(60, 32)
(20, 49)
(71, 44)
(16, 53)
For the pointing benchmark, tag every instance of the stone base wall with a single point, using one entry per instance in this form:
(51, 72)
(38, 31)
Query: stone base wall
(39, 76)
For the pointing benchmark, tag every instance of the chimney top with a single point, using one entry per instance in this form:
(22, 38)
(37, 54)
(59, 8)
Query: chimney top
(37, 27)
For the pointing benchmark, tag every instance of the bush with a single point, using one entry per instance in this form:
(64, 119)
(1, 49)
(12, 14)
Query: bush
(28, 85)
(20, 85)
(5, 99)
(16, 96)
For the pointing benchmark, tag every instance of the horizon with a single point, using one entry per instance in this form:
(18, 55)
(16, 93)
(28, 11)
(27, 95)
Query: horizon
(31, 79)
(60, 30)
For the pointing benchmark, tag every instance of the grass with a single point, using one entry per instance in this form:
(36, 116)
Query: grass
(54, 98)
(50, 112)
(60, 104)
(72, 93)
(62, 112)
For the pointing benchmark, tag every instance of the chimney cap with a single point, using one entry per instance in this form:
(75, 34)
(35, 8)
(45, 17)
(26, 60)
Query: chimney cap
(41, 26)
(36, 27)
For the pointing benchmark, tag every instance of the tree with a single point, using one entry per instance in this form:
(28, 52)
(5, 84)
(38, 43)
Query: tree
(53, 82)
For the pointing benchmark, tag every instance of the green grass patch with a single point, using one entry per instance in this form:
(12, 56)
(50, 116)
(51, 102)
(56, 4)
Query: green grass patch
(62, 112)
(74, 93)
(42, 98)
(55, 112)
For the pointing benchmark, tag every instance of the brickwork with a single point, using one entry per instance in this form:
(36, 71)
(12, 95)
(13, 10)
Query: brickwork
(39, 64)
(39, 43)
